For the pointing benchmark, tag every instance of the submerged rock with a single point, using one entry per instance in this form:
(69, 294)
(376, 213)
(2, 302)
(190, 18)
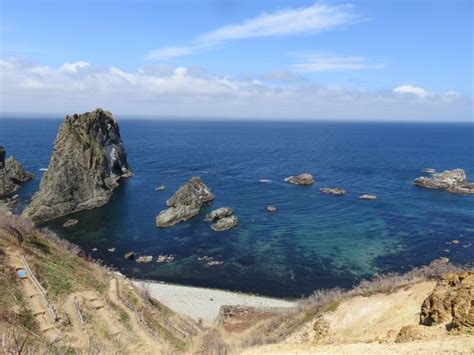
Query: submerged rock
(367, 197)
(88, 161)
(334, 191)
(129, 256)
(454, 181)
(144, 259)
(451, 302)
(165, 258)
(70, 223)
(225, 223)
(185, 203)
(219, 213)
(112, 250)
(15, 175)
(271, 208)
(302, 179)
(210, 261)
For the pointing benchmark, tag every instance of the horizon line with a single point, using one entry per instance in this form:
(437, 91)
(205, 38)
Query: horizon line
(149, 117)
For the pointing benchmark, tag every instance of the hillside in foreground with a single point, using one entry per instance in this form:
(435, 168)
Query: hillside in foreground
(54, 300)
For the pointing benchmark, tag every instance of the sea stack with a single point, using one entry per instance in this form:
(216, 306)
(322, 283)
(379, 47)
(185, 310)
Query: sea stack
(88, 161)
(185, 203)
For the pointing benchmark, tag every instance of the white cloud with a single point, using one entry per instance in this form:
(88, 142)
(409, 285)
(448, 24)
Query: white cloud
(414, 90)
(323, 62)
(293, 21)
(74, 67)
(193, 93)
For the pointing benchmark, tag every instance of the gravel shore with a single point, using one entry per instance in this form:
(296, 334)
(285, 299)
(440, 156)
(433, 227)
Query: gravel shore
(205, 303)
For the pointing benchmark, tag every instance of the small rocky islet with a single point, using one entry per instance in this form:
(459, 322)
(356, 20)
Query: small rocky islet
(454, 181)
(223, 219)
(185, 203)
(12, 178)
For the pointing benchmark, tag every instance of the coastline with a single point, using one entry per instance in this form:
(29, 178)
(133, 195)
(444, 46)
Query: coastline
(206, 302)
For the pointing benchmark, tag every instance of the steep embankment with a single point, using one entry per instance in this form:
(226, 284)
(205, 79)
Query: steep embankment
(424, 317)
(88, 160)
(63, 302)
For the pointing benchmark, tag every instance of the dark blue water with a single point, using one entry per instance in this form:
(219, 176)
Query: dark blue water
(314, 240)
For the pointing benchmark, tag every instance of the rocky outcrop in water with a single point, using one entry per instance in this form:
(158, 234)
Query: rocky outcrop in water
(302, 179)
(218, 214)
(451, 302)
(225, 223)
(88, 161)
(367, 197)
(334, 191)
(12, 176)
(223, 219)
(454, 181)
(185, 203)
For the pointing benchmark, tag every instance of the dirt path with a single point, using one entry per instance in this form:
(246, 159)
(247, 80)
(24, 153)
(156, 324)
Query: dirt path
(36, 302)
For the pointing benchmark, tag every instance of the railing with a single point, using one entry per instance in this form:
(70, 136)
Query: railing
(77, 307)
(41, 290)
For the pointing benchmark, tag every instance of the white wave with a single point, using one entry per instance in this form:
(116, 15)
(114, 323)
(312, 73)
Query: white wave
(264, 180)
(43, 169)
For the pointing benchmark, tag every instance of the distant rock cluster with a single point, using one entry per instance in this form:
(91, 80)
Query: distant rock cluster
(454, 181)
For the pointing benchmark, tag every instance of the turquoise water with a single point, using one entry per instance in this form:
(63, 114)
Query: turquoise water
(314, 240)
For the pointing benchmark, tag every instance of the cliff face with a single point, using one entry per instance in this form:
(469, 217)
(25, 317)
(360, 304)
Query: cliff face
(88, 160)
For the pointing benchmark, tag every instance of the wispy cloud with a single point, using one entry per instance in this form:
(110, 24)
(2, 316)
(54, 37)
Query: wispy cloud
(324, 62)
(190, 92)
(293, 21)
(414, 90)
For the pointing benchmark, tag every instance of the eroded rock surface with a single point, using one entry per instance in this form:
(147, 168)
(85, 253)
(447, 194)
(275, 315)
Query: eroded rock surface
(302, 179)
(454, 181)
(185, 203)
(218, 214)
(88, 161)
(225, 223)
(451, 302)
(15, 176)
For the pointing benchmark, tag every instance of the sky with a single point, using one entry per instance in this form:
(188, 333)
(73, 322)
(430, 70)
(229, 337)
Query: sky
(388, 60)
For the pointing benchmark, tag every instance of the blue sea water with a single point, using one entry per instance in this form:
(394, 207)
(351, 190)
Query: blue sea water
(314, 240)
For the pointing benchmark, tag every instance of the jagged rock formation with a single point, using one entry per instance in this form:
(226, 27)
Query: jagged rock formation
(225, 223)
(88, 160)
(452, 302)
(12, 176)
(302, 179)
(219, 213)
(185, 203)
(454, 181)
(223, 219)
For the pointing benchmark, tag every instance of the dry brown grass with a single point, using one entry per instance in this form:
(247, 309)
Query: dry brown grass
(279, 327)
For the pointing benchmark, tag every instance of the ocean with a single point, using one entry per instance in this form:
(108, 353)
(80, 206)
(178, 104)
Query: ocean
(313, 241)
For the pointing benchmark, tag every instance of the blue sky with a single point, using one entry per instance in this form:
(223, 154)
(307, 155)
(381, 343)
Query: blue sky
(407, 60)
